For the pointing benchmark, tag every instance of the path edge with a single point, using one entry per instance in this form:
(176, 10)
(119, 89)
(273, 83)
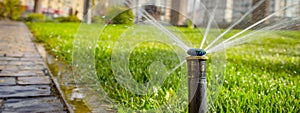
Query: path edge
(55, 85)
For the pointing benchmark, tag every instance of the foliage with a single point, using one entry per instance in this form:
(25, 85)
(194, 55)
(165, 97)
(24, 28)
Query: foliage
(59, 19)
(190, 23)
(72, 18)
(11, 9)
(98, 19)
(261, 76)
(124, 16)
(36, 17)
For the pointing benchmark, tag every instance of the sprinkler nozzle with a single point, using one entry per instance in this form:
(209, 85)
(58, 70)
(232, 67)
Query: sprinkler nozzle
(196, 52)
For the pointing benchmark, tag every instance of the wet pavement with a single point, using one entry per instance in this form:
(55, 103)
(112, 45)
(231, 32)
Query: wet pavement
(25, 85)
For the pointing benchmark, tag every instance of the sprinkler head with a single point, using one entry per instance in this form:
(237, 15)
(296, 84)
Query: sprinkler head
(196, 52)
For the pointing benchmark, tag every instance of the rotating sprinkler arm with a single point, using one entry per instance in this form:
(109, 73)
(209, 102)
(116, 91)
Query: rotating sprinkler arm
(197, 80)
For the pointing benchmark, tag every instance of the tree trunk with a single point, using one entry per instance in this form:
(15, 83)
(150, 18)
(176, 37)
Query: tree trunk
(179, 9)
(87, 15)
(37, 6)
(261, 11)
(174, 12)
(193, 14)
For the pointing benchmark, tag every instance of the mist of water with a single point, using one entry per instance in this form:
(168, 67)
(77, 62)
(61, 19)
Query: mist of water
(254, 35)
(236, 23)
(211, 18)
(180, 43)
(230, 39)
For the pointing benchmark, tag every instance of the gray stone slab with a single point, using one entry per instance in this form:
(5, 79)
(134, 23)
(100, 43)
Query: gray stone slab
(31, 59)
(36, 105)
(22, 73)
(23, 63)
(18, 63)
(32, 67)
(24, 91)
(7, 81)
(9, 59)
(9, 68)
(3, 63)
(32, 56)
(33, 80)
(14, 55)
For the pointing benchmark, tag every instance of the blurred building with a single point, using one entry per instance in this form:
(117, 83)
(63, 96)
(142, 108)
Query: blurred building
(285, 9)
(169, 11)
(228, 11)
(56, 8)
(172, 11)
(294, 10)
(225, 11)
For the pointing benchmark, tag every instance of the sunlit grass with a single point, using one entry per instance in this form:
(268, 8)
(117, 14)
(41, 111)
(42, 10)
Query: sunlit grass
(261, 76)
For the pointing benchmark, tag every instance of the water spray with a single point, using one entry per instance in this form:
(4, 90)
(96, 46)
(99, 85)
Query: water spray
(197, 80)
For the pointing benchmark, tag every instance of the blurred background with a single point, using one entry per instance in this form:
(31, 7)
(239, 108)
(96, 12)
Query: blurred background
(227, 11)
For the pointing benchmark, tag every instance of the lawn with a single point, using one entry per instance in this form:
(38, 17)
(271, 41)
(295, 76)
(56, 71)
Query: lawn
(260, 76)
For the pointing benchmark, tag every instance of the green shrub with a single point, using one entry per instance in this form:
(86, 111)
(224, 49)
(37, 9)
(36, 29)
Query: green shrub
(98, 19)
(124, 16)
(190, 23)
(11, 9)
(71, 19)
(59, 19)
(36, 17)
(68, 19)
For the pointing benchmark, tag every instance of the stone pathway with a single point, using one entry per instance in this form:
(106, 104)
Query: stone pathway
(25, 85)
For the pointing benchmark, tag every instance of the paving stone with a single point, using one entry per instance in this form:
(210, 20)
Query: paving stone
(8, 73)
(26, 63)
(9, 59)
(14, 63)
(32, 56)
(22, 73)
(2, 63)
(7, 81)
(36, 105)
(24, 91)
(10, 68)
(33, 80)
(31, 59)
(32, 67)
(14, 55)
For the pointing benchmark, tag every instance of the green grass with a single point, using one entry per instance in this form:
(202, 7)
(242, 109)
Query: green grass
(261, 76)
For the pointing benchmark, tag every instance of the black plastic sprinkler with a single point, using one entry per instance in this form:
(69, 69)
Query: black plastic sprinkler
(197, 80)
